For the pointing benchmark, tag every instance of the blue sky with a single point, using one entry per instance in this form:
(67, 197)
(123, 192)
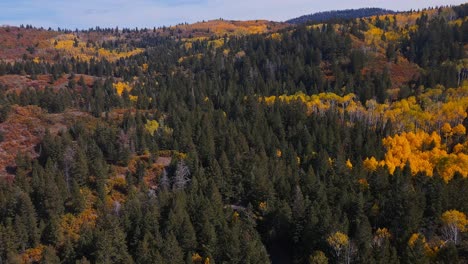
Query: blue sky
(84, 14)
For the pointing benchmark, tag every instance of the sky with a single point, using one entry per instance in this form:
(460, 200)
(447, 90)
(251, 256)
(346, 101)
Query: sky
(84, 14)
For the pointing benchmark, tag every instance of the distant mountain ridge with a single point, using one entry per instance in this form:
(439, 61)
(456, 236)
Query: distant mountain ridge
(340, 14)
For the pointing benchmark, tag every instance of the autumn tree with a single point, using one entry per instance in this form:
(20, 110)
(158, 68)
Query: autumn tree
(318, 257)
(454, 223)
(342, 246)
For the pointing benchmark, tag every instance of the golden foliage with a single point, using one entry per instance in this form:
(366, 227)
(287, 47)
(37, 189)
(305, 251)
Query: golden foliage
(425, 153)
(240, 54)
(151, 126)
(383, 233)
(170, 153)
(458, 22)
(196, 258)
(409, 147)
(120, 87)
(338, 240)
(197, 56)
(455, 222)
(414, 237)
(71, 45)
(188, 45)
(235, 216)
(223, 27)
(405, 23)
(217, 43)
(133, 98)
(276, 36)
(392, 36)
(446, 129)
(426, 112)
(318, 257)
(349, 164)
(315, 103)
(429, 251)
(117, 183)
(455, 218)
(33, 255)
(370, 164)
(279, 153)
(373, 35)
(459, 130)
(71, 226)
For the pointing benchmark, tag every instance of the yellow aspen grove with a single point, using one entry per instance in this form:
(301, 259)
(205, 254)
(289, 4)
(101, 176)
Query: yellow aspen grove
(338, 241)
(152, 126)
(120, 87)
(459, 130)
(426, 111)
(371, 164)
(381, 234)
(425, 153)
(455, 222)
(420, 238)
(71, 45)
(342, 246)
(446, 130)
(335, 137)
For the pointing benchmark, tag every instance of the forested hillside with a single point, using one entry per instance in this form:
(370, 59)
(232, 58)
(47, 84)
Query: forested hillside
(237, 142)
(340, 15)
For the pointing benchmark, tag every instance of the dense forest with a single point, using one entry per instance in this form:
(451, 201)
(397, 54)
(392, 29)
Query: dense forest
(336, 15)
(237, 142)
